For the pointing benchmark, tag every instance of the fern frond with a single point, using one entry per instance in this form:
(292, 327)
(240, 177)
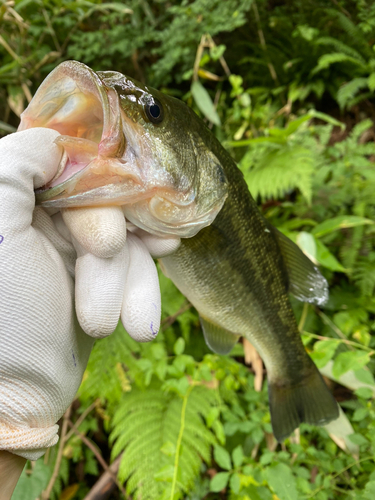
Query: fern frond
(280, 171)
(340, 47)
(351, 29)
(364, 274)
(101, 379)
(347, 91)
(144, 422)
(136, 402)
(358, 130)
(326, 60)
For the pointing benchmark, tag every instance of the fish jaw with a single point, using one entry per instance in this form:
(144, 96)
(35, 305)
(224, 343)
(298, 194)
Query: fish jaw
(109, 158)
(74, 101)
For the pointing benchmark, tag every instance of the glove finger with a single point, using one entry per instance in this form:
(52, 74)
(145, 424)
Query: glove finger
(66, 250)
(28, 159)
(100, 285)
(141, 309)
(61, 226)
(157, 246)
(101, 231)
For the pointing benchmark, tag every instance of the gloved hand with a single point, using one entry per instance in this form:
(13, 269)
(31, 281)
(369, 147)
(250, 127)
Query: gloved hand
(43, 350)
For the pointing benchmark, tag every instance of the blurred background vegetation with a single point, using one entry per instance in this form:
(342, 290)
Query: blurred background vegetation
(288, 87)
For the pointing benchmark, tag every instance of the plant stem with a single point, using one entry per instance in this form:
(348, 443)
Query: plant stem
(344, 341)
(340, 472)
(179, 440)
(47, 492)
(263, 43)
(98, 456)
(167, 322)
(80, 420)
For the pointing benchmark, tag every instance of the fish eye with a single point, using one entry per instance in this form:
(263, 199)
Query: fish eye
(154, 111)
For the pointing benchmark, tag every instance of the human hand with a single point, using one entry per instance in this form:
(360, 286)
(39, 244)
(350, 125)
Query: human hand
(43, 350)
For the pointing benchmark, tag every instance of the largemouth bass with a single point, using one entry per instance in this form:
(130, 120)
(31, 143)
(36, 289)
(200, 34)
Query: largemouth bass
(130, 145)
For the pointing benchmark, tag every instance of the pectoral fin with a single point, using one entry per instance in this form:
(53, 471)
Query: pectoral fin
(218, 339)
(305, 281)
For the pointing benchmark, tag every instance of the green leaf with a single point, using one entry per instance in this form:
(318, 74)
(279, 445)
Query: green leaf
(7, 128)
(147, 425)
(327, 119)
(282, 482)
(357, 438)
(349, 90)
(324, 350)
(222, 457)
(30, 486)
(112, 6)
(294, 125)
(212, 416)
(280, 170)
(326, 258)
(235, 483)
(255, 493)
(217, 51)
(219, 482)
(371, 82)
(306, 242)
(327, 60)
(350, 360)
(218, 429)
(360, 413)
(365, 376)
(204, 102)
(365, 393)
(256, 140)
(179, 346)
(336, 223)
(369, 491)
(237, 456)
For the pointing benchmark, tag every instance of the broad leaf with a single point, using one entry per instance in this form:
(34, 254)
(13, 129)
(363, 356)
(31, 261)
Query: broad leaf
(350, 360)
(219, 482)
(330, 225)
(222, 458)
(282, 481)
(204, 102)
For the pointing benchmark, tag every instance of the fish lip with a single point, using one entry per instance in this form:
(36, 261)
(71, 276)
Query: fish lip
(86, 80)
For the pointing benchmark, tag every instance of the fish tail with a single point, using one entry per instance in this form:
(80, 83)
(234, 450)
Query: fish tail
(309, 400)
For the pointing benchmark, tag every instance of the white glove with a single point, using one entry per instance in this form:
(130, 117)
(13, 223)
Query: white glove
(43, 350)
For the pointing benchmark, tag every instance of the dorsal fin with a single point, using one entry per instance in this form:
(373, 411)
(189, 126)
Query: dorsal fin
(218, 339)
(305, 280)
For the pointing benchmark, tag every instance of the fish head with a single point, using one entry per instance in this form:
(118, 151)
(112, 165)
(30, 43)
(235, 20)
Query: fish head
(130, 145)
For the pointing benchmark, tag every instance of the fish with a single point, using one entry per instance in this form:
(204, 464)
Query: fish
(128, 144)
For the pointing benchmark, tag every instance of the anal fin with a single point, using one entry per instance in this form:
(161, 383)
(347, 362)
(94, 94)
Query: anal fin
(218, 339)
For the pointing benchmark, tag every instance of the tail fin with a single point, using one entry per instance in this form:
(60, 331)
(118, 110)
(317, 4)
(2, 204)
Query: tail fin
(307, 401)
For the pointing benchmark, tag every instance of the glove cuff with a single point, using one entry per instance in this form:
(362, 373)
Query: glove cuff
(27, 442)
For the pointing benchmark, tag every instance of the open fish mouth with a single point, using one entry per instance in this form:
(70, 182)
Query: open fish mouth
(109, 158)
(74, 101)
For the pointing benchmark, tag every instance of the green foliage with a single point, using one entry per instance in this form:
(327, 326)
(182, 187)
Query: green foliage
(36, 476)
(288, 87)
(164, 438)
